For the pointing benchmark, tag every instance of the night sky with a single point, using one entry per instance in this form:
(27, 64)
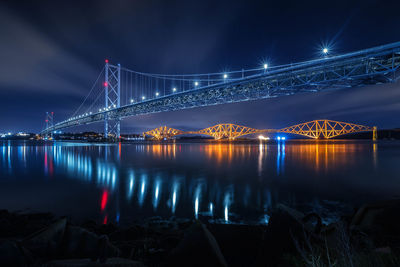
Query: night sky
(52, 51)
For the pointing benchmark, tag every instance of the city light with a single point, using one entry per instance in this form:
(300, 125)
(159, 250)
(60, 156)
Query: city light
(114, 106)
(143, 97)
(225, 76)
(261, 137)
(196, 83)
(174, 89)
(265, 66)
(131, 100)
(157, 93)
(325, 50)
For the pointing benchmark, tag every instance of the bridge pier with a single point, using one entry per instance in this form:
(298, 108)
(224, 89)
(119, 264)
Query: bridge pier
(375, 133)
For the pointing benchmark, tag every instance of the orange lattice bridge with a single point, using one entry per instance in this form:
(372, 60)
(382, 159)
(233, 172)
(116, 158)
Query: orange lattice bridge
(316, 129)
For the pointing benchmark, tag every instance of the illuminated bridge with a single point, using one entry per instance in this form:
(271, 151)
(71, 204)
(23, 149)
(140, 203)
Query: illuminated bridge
(119, 92)
(314, 129)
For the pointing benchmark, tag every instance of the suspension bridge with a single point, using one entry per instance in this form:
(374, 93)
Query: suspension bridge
(119, 92)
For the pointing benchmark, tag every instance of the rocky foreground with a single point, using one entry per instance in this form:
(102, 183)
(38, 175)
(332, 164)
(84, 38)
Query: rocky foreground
(369, 237)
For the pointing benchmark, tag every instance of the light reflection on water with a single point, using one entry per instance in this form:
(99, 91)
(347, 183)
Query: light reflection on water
(224, 182)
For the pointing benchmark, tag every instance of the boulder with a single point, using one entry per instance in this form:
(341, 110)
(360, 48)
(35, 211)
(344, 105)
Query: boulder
(80, 243)
(11, 254)
(198, 248)
(288, 231)
(380, 221)
(47, 241)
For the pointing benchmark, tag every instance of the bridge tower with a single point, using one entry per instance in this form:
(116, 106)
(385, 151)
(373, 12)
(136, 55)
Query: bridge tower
(112, 84)
(49, 123)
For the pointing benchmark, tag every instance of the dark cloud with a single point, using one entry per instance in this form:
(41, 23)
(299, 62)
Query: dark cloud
(33, 61)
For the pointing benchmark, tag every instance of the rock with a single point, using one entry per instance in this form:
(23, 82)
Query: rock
(80, 243)
(170, 241)
(198, 248)
(383, 250)
(46, 241)
(11, 254)
(15, 225)
(380, 221)
(287, 230)
(240, 244)
(132, 233)
(120, 262)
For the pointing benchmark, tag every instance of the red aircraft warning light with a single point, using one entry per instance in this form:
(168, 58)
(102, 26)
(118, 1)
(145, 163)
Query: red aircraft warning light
(106, 60)
(105, 84)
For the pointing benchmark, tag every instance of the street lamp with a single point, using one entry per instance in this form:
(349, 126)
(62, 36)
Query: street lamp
(174, 89)
(325, 51)
(157, 93)
(196, 83)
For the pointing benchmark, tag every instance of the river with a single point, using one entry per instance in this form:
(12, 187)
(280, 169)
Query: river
(218, 182)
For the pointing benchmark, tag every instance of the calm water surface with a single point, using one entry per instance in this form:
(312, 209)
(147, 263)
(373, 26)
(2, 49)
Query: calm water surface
(221, 182)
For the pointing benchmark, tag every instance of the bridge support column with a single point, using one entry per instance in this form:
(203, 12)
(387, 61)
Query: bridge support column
(112, 83)
(375, 133)
(49, 124)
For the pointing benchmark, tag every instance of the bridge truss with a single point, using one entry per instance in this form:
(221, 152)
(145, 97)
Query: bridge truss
(127, 93)
(227, 130)
(316, 129)
(163, 132)
(325, 129)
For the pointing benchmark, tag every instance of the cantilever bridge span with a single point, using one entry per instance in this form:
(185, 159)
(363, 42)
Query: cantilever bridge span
(315, 129)
(119, 92)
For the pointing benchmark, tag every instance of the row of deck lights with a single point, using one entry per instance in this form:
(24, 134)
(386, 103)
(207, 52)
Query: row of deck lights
(196, 84)
(107, 109)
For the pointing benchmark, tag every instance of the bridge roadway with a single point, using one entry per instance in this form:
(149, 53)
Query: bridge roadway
(371, 66)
